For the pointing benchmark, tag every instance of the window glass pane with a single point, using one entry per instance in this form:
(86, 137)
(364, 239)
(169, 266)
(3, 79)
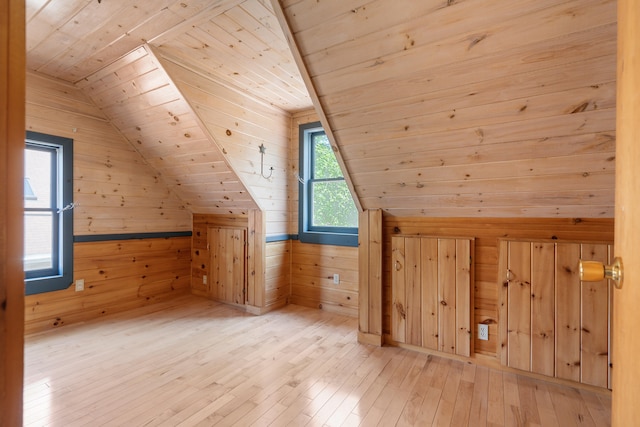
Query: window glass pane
(37, 165)
(38, 241)
(332, 205)
(325, 164)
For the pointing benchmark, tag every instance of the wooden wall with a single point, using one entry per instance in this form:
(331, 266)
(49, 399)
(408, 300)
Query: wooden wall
(239, 125)
(12, 88)
(313, 266)
(140, 100)
(468, 108)
(268, 281)
(278, 269)
(200, 257)
(312, 270)
(487, 232)
(117, 192)
(115, 189)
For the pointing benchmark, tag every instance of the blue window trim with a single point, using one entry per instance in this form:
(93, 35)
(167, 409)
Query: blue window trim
(339, 236)
(62, 278)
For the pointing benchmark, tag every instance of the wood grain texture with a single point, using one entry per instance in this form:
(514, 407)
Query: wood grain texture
(193, 361)
(12, 125)
(115, 188)
(569, 319)
(267, 265)
(543, 308)
(398, 290)
(430, 301)
(119, 276)
(461, 135)
(594, 366)
(626, 347)
(237, 125)
(239, 42)
(431, 293)
(312, 270)
(519, 303)
(487, 233)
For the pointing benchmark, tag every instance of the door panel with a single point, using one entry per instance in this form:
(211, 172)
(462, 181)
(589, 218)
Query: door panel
(626, 344)
(447, 295)
(432, 293)
(519, 303)
(594, 338)
(543, 308)
(227, 267)
(555, 324)
(430, 305)
(568, 312)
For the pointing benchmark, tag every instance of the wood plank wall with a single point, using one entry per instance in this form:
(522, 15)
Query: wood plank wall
(12, 95)
(117, 192)
(313, 266)
(239, 124)
(200, 256)
(115, 189)
(140, 100)
(508, 106)
(119, 275)
(312, 270)
(487, 232)
(268, 264)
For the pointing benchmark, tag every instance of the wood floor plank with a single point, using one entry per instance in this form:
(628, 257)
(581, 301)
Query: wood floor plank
(479, 401)
(194, 362)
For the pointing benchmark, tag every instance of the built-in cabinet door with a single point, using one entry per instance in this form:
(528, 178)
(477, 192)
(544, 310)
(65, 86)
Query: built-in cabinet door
(555, 324)
(431, 293)
(227, 271)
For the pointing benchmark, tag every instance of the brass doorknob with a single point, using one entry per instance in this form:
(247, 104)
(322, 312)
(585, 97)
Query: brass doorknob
(594, 271)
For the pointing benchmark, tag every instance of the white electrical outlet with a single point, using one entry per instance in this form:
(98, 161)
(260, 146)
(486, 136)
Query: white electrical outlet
(483, 332)
(204, 279)
(79, 285)
(336, 279)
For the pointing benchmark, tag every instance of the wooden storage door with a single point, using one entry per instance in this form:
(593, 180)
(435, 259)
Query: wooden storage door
(227, 271)
(555, 325)
(431, 293)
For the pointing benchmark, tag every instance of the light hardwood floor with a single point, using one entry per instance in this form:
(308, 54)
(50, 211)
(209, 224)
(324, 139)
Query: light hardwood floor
(194, 362)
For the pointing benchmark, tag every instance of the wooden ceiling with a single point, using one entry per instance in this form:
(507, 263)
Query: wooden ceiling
(239, 42)
(449, 108)
(467, 107)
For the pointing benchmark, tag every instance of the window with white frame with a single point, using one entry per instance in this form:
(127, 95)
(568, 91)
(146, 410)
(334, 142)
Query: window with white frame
(327, 212)
(48, 213)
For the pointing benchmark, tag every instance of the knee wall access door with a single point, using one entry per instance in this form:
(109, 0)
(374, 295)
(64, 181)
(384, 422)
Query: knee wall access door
(552, 323)
(432, 293)
(227, 266)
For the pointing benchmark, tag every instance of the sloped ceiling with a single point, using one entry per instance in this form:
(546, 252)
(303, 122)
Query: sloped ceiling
(237, 41)
(436, 107)
(467, 107)
(233, 51)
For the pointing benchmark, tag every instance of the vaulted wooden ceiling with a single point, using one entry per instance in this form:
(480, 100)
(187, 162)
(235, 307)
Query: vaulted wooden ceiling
(239, 42)
(437, 107)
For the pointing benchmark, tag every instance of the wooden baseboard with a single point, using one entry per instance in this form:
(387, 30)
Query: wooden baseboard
(372, 339)
(252, 309)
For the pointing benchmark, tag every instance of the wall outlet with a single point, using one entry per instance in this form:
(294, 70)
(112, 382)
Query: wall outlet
(483, 332)
(336, 279)
(204, 279)
(79, 285)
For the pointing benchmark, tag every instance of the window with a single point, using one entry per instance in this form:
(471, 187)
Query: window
(48, 213)
(327, 213)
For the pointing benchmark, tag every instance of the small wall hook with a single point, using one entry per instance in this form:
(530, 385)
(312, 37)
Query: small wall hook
(263, 150)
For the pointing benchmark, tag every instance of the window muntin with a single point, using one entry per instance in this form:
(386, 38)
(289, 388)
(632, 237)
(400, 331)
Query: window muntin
(48, 227)
(327, 211)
